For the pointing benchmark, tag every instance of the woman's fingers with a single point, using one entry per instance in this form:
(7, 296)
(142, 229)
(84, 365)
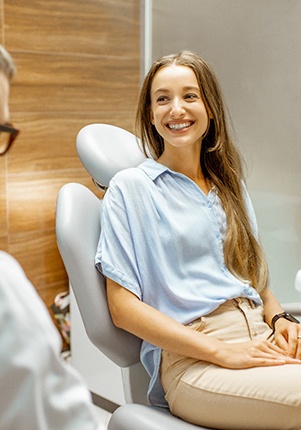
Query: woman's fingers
(264, 350)
(289, 339)
(294, 346)
(258, 353)
(281, 342)
(298, 352)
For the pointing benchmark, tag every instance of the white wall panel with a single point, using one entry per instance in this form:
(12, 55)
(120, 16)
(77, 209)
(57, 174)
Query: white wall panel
(254, 46)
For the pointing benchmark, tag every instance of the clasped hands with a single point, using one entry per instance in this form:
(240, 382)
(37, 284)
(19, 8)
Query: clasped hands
(262, 352)
(288, 337)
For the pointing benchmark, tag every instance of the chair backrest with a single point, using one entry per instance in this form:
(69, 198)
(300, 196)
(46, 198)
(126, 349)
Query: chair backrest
(77, 229)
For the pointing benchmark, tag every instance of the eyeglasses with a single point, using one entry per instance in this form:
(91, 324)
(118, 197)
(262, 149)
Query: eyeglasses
(8, 134)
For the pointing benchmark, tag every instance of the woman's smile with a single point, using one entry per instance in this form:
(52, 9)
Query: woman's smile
(179, 126)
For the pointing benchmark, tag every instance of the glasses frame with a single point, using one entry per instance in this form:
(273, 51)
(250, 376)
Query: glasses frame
(9, 128)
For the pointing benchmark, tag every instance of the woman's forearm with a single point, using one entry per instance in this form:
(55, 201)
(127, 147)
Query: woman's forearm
(142, 320)
(271, 306)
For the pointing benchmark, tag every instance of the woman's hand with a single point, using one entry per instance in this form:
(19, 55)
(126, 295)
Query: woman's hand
(288, 337)
(286, 332)
(253, 354)
(131, 314)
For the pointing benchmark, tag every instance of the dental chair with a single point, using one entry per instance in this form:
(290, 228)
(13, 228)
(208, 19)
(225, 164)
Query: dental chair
(104, 150)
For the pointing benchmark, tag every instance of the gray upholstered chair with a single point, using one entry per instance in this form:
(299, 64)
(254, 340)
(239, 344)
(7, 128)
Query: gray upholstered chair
(104, 150)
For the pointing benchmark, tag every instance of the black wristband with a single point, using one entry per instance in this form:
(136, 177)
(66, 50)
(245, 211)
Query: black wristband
(285, 315)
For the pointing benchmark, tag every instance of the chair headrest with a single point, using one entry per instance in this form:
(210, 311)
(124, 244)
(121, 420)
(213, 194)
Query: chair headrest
(106, 149)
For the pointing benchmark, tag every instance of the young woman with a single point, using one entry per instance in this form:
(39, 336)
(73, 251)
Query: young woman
(185, 271)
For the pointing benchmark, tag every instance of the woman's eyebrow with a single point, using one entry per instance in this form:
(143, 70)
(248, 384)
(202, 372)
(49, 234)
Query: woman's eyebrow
(161, 90)
(186, 88)
(191, 88)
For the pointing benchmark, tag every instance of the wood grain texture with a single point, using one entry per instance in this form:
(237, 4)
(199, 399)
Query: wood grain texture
(3, 166)
(39, 256)
(1, 23)
(77, 63)
(32, 198)
(47, 141)
(89, 27)
(4, 243)
(32, 224)
(56, 83)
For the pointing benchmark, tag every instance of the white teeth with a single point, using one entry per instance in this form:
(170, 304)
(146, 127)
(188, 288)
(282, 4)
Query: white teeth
(179, 126)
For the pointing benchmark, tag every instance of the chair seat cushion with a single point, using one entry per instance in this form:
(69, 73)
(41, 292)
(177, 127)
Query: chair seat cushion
(138, 417)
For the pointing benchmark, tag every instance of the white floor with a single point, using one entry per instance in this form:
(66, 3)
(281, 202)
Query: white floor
(103, 417)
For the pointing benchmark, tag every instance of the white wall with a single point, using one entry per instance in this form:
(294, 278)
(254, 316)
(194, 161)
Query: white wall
(255, 49)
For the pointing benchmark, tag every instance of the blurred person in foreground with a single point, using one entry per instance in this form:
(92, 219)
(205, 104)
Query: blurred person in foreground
(40, 391)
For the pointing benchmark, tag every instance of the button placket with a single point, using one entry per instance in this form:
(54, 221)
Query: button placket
(211, 202)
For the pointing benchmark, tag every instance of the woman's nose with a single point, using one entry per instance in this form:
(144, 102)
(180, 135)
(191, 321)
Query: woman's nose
(177, 108)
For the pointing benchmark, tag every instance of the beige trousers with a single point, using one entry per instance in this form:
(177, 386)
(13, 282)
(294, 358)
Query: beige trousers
(267, 398)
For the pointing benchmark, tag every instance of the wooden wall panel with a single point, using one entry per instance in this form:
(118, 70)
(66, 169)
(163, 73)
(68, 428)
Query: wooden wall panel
(89, 27)
(77, 63)
(1, 22)
(56, 83)
(29, 209)
(47, 140)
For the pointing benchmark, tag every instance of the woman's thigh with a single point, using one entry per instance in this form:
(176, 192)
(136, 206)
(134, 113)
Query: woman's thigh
(267, 398)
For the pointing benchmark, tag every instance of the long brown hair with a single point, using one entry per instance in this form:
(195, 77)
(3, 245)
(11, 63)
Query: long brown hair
(221, 164)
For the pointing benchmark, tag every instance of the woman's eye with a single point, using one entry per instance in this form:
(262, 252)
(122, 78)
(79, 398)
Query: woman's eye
(162, 99)
(191, 96)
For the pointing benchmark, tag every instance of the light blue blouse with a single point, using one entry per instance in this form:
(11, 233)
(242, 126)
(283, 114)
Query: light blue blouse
(162, 239)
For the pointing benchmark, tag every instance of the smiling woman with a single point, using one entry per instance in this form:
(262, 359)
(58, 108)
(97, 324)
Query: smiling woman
(184, 267)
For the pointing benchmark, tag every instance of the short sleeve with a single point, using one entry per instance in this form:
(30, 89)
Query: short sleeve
(116, 254)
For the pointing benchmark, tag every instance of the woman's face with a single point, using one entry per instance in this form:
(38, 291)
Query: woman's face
(177, 109)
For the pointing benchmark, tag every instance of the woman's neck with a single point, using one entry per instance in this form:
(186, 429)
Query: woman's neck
(188, 164)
